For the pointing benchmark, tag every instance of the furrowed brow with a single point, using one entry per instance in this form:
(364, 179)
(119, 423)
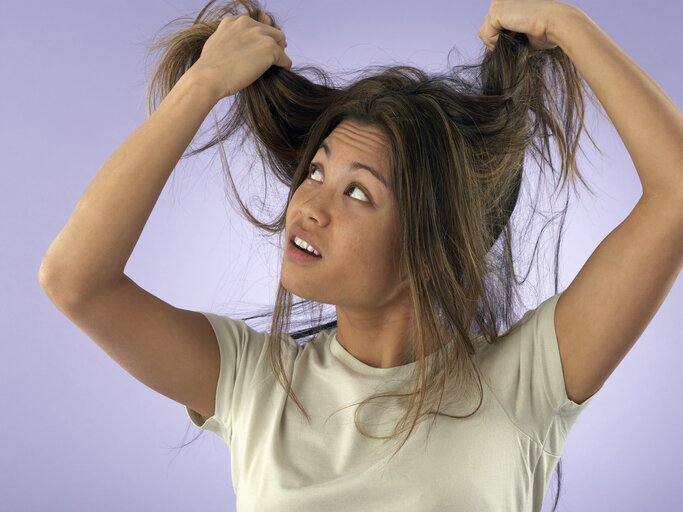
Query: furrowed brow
(358, 166)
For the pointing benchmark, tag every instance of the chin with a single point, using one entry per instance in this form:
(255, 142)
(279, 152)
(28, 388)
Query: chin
(301, 288)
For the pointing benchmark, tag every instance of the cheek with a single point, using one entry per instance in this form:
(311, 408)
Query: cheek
(374, 255)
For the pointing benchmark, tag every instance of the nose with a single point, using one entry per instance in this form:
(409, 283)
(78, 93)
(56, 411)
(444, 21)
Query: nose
(315, 207)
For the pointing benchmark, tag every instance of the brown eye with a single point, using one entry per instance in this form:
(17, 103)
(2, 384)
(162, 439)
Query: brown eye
(353, 185)
(314, 168)
(310, 171)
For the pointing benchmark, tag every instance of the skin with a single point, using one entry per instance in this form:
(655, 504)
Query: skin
(356, 230)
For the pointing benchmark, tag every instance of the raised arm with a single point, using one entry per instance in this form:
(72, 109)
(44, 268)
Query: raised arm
(171, 350)
(617, 292)
(95, 244)
(97, 241)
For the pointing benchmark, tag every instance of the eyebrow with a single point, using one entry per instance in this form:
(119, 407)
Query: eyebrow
(358, 165)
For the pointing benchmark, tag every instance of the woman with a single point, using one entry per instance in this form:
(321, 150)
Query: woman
(402, 185)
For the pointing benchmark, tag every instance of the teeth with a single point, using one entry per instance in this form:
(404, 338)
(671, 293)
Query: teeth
(298, 241)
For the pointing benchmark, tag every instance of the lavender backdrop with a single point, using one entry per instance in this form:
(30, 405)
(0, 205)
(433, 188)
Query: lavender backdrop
(79, 433)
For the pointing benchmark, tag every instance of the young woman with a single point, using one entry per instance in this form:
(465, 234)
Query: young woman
(402, 189)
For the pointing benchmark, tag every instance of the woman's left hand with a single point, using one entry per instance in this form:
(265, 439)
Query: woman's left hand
(530, 17)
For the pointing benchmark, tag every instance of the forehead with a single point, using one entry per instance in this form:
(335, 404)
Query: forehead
(362, 141)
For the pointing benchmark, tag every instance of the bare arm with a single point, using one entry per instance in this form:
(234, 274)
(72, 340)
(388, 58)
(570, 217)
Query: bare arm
(649, 122)
(93, 248)
(95, 244)
(171, 350)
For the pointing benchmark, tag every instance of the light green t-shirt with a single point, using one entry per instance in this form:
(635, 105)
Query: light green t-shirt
(499, 459)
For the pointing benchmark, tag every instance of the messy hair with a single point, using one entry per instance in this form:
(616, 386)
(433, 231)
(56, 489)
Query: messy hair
(460, 143)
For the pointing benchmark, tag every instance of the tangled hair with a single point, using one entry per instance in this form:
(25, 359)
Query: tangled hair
(458, 142)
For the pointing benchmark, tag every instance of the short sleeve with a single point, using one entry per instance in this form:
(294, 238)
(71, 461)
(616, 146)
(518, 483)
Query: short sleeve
(549, 375)
(240, 347)
(555, 412)
(549, 363)
(528, 379)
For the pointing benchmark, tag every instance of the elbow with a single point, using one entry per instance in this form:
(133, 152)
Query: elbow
(54, 287)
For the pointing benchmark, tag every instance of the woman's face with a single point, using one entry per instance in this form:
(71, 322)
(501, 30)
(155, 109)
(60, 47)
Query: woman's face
(351, 218)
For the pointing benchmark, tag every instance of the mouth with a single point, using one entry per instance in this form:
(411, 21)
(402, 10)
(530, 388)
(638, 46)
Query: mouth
(300, 254)
(292, 238)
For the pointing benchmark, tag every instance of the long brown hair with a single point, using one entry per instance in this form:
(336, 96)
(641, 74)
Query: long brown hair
(460, 143)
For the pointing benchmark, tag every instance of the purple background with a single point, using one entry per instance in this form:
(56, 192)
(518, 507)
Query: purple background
(79, 433)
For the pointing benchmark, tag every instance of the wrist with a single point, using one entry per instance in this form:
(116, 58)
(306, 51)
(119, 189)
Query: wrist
(199, 81)
(563, 20)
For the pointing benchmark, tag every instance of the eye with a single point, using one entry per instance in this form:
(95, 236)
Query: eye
(314, 168)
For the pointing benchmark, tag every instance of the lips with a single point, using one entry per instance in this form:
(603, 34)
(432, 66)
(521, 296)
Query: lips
(306, 237)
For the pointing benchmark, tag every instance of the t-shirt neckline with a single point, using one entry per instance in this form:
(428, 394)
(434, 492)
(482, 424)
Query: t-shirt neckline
(349, 360)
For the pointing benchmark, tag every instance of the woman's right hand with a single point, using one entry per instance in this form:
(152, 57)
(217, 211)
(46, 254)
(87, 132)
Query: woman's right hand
(239, 51)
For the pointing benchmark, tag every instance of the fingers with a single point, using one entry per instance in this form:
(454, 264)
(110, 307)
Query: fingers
(278, 35)
(487, 33)
(265, 18)
(275, 33)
